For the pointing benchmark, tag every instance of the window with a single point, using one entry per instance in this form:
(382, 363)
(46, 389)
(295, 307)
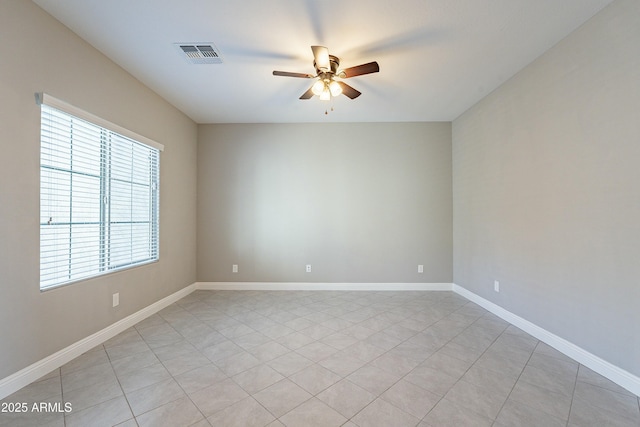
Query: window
(99, 196)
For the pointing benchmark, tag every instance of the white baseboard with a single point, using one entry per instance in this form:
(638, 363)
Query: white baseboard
(31, 373)
(618, 375)
(310, 286)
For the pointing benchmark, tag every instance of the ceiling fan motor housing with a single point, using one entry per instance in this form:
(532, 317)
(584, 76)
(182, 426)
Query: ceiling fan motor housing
(334, 63)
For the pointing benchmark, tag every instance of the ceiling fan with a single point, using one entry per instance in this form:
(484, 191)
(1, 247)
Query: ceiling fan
(327, 72)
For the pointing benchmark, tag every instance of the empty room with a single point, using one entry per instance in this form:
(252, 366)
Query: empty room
(320, 213)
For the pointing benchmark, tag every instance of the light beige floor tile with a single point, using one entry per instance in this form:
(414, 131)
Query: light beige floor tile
(127, 349)
(313, 413)
(153, 396)
(171, 351)
(449, 365)
(277, 331)
(554, 404)
(257, 378)
(221, 350)
(295, 340)
(358, 332)
(460, 352)
(87, 376)
(315, 378)
(282, 397)
(245, 413)
(478, 399)
(383, 414)
(143, 377)
(585, 414)
(400, 332)
(346, 398)
(316, 351)
(132, 423)
(431, 379)
(336, 323)
(181, 412)
(86, 360)
(85, 397)
(218, 396)
(127, 364)
(363, 351)
(237, 363)
(622, 404)
(161, 340)
(269, 351)
(552, 381)
(516, 414)
(200, 378)
(395, 363)
(411, 398)
(502, 384)
(107, 413)
(373, 379)
(206, 338)
(290, 363)
(449, 414)
(298, 323)
(236, 331)
(317, 331)
(383, 340)
(339, 341)
(342, 364)
(188, 362)
(500, 364)
(524, 342)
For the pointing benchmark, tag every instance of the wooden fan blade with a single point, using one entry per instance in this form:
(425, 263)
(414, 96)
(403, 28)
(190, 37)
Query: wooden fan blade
(321, 57)
(288, 74)
(307, 95)
(358, 70)
(349, 91)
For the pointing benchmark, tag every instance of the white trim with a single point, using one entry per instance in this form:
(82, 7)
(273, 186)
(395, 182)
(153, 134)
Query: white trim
(618, 375)
(31, 373)
(46, 99)
(312, 286)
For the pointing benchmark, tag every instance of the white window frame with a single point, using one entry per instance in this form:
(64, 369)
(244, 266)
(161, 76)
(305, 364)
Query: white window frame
(120, 214)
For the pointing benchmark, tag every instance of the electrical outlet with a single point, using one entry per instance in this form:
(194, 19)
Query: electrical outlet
(308, 269)
(420, 268)
(116, 299)
(234, 268)
(496, 286)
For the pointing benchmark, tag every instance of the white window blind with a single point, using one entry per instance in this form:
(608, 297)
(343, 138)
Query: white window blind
(99, 198)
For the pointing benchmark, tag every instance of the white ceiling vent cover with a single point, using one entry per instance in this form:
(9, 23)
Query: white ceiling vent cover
(200, 53)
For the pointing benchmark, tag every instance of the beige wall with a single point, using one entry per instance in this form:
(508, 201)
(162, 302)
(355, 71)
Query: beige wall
(39, 54)
(360, 202)
(546, 185)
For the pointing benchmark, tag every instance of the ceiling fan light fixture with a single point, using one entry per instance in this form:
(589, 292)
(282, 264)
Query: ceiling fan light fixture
(335, 88)
(325, 95)
(318, 87)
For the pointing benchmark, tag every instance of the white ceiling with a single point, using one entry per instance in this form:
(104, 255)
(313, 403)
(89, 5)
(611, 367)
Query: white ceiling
(437, 57)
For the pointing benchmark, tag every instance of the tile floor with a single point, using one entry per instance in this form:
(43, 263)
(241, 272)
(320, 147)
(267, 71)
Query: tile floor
(277, 358)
